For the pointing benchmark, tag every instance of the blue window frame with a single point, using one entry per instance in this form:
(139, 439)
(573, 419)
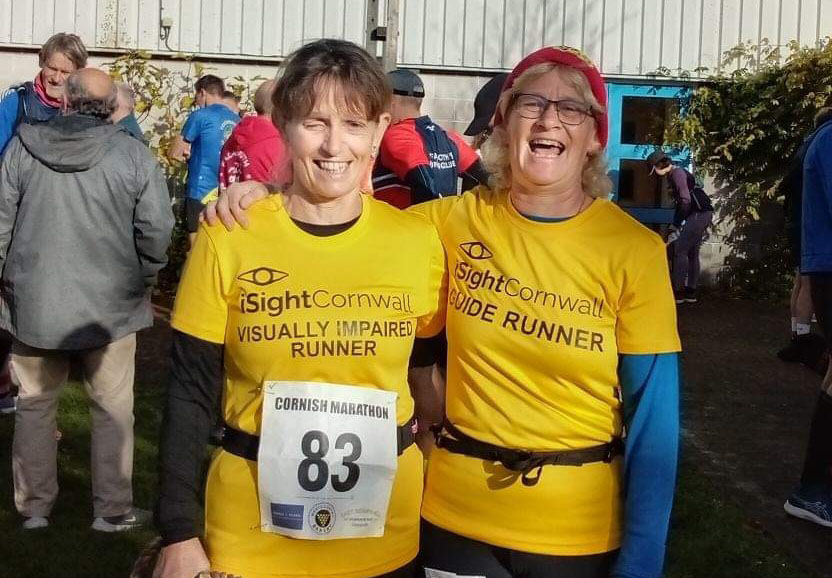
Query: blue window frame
(637, 115)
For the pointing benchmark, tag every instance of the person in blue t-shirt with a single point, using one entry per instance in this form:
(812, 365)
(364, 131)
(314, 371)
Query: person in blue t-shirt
(200, 143)
(812, 499)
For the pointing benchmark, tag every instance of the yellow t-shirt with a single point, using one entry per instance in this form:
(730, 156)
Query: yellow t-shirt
(292, 306)
(537, 315)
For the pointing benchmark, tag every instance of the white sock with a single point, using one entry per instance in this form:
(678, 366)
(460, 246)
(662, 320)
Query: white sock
(802, 328)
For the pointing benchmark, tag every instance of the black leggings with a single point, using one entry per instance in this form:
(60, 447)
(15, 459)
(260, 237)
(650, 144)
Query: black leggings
(455, 554)
(820, 285)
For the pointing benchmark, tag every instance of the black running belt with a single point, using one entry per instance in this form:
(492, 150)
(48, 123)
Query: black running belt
(450, 438)
(245, 445)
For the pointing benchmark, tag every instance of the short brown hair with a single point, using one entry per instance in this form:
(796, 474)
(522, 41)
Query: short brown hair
(357, 77)
(211, 84)
(69, 45)
(823, 115)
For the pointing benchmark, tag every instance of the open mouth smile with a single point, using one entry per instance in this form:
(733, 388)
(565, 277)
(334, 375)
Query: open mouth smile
(546, 147)
(333, 168)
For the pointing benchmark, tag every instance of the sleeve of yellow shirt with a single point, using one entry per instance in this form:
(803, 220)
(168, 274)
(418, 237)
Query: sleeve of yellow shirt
(647, 311)
(436, 211)
(437, 289)
(201, 307)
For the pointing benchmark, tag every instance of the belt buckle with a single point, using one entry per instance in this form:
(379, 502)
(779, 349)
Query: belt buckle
(520, 460)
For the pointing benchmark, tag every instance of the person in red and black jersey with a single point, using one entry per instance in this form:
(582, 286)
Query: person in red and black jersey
(418, 160)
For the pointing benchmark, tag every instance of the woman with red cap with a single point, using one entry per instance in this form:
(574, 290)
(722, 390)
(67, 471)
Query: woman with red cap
(561, 337)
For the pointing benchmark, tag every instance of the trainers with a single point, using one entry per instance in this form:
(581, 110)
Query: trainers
(8, 403)
(679, 297)
(132, 520)
(814, 505)
(807, 349)
(35, 522)
(690, 295)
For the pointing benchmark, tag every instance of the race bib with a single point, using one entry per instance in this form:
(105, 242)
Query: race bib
(327, 460)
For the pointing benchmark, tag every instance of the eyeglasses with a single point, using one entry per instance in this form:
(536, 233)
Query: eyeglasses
(532, 106)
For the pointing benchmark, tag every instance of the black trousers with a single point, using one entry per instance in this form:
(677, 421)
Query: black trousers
(820, 285)
(448, 552)
(817, 468)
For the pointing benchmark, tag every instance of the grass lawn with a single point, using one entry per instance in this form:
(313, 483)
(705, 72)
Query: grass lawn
(709, 537)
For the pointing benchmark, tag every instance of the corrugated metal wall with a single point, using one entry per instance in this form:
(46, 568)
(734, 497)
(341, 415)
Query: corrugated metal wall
(228, 27)
(626, 37)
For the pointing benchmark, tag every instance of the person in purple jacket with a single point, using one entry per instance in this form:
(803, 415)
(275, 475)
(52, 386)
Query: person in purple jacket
(694, 214)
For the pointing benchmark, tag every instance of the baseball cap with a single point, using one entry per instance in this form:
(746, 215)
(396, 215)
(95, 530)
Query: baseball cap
(485, 104)
(406, 83)
(571, 58)
(655, 158)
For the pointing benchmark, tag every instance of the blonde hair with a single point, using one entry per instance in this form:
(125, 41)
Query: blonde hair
(495, 155)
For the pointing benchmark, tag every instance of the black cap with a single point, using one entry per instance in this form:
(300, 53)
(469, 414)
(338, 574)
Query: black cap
(485, 104)
(656, 157)
(406, 83)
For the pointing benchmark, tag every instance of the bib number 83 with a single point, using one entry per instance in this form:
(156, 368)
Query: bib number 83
(315, 457)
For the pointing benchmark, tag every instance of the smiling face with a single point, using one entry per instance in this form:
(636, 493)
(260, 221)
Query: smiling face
(54, 72)
(546, 154)
(332, 147)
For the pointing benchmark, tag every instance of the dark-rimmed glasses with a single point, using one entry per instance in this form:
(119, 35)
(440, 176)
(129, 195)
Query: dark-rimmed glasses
(532, 106)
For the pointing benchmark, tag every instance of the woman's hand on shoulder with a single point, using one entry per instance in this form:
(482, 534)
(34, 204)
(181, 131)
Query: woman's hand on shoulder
(182, 560)
(230, 207)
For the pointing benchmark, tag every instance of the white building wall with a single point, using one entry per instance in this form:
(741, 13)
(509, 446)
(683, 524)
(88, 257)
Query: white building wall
(625, 37)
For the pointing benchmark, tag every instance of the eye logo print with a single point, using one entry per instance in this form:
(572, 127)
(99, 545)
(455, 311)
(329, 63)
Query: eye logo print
(262, 276)
(476, 250)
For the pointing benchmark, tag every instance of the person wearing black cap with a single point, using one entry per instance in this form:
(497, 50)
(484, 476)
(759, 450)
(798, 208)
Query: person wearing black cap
(485, 103)
(418, 160)
(693, 216)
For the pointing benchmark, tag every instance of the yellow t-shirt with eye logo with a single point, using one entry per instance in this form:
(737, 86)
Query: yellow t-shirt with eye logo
(290, 306)
(537, 316)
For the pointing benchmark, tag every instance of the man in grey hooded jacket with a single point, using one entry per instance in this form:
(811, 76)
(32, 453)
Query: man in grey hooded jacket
(85, 222)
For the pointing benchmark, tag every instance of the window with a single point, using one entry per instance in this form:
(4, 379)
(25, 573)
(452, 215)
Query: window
(644, 120)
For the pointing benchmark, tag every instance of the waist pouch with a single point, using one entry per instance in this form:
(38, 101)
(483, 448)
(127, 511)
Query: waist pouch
(245, 445)
(529, 463)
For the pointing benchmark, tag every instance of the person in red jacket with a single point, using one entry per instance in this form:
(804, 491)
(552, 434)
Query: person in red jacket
(418, 160)
(254, 149)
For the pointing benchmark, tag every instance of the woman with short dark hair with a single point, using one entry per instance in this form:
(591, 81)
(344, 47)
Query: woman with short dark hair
(305, 322)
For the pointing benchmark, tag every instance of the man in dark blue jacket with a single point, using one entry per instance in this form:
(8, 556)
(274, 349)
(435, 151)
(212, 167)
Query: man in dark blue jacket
(30, 103)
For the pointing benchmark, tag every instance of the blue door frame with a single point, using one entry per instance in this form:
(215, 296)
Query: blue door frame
(618, 151)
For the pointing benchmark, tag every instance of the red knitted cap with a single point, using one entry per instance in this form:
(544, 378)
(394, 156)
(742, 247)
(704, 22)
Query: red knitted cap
(572, 58)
